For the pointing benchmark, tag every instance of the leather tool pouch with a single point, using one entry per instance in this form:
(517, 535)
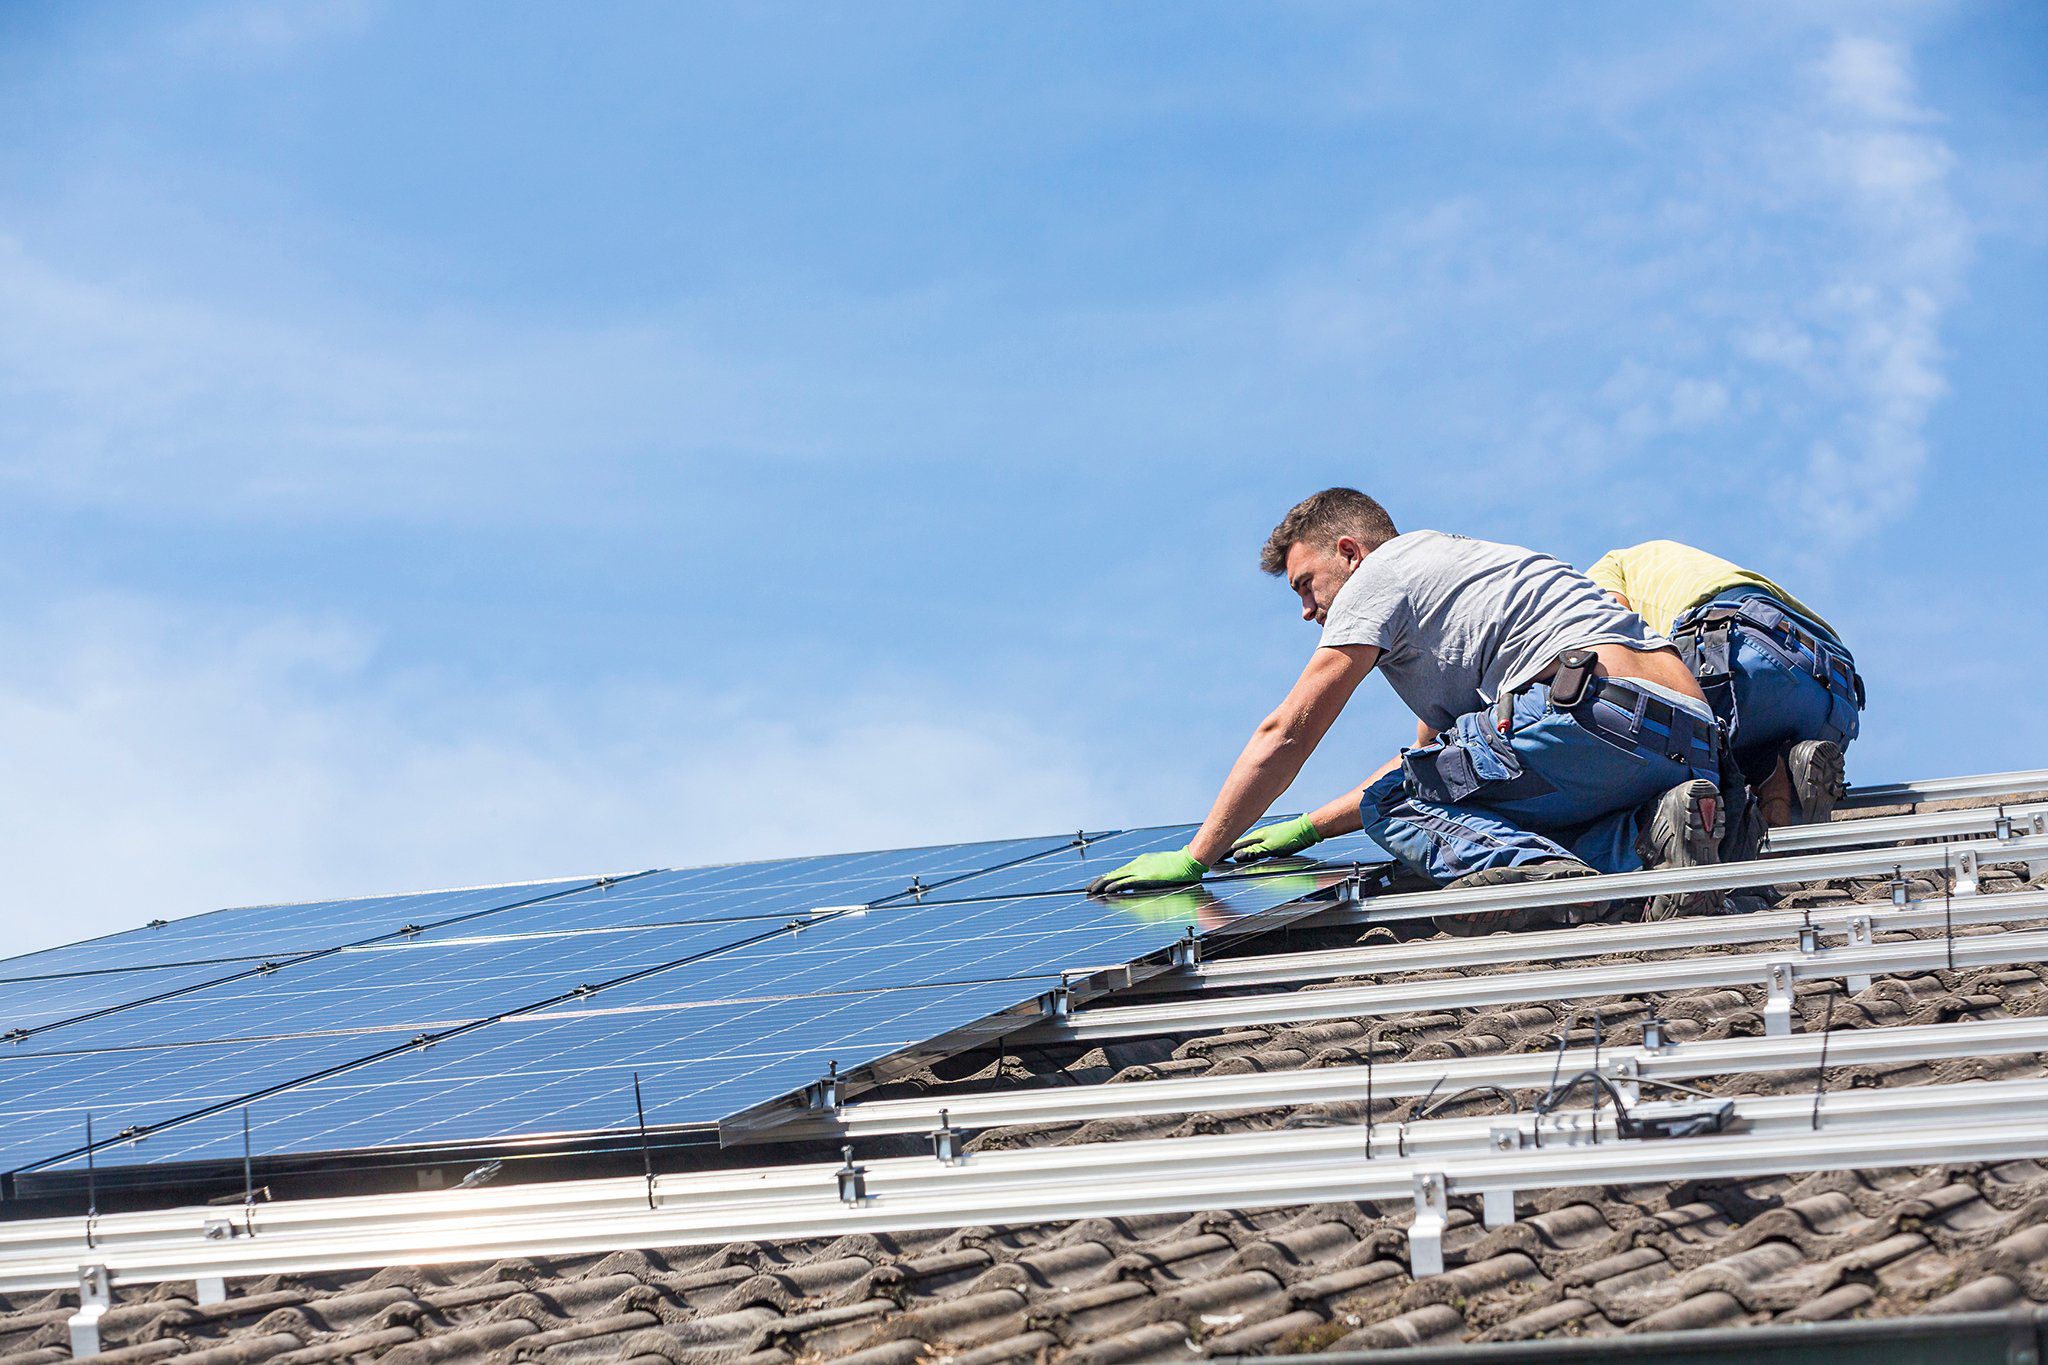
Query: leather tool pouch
(1573, 679)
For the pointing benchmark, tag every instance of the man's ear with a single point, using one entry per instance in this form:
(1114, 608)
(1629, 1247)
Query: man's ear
(1351, 549)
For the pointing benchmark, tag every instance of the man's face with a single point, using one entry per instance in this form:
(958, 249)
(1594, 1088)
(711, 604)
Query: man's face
(1315, 572)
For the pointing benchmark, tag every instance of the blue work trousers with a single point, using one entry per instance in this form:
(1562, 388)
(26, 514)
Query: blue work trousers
(1555, 787)
(1777, 692)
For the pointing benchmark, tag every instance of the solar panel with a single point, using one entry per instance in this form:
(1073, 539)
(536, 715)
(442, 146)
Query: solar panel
(39, 1003)
(572, 1073)
(261, 931)
(725, 987)
(423, 986)
(44, 1099)
(782, 888)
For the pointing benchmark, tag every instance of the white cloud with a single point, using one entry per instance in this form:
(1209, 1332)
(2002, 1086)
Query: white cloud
(112, 394)
(1876, 320)
(235, 31)
(163, 763)
(1870, 77)
(1746, 298)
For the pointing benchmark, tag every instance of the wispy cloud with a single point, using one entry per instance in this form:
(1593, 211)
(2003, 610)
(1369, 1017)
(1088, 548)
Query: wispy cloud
(116, 394)
(1743, 296)
(165, 762)
(1874, 328)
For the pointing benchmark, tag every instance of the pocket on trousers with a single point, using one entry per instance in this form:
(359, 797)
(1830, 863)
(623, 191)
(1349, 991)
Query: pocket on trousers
(1450, 770)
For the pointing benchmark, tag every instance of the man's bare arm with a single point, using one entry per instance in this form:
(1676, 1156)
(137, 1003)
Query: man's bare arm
(1273, 757)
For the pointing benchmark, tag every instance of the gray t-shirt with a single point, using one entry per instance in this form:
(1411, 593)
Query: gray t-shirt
(1459, 621)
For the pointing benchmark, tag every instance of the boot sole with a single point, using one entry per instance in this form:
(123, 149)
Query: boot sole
(1697, 845)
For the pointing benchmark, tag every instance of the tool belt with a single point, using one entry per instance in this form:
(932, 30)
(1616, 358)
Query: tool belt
(1467, 759)
(1705, 639)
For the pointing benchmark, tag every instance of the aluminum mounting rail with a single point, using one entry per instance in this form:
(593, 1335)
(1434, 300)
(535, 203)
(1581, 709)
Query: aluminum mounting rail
(1775, 970)
(1961, 859)
(1947, 788)
(1628, 1067)
(1974, 822)
(1175, 1175)
(1856, 920)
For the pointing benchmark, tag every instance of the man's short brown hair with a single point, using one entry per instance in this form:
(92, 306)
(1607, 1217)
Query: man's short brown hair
(1321, 518)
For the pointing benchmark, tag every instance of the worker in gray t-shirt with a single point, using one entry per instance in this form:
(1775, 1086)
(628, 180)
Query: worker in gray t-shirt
(1557, 735)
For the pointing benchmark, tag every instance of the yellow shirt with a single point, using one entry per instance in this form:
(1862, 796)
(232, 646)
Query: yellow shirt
(1663, 579)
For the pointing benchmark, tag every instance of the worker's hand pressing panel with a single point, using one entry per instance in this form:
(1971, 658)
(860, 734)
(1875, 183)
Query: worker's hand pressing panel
(1150, 872)
(1283, 840)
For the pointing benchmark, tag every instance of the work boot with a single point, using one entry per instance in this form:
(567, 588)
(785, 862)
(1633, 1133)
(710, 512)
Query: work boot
(1817, 771)
(1744, 841)
(1682, 829)
(1492, 921)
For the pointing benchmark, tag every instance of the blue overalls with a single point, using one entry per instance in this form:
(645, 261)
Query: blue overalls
(1563, 783)
(1773, 676)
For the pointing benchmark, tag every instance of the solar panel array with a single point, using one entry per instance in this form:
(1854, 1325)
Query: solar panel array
(523, 1013)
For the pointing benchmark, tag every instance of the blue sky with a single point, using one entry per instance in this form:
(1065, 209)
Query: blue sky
(454, 443)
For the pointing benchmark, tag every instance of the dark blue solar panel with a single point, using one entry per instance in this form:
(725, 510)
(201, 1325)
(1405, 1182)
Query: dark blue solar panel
(572, 1073)
(44, 1099)
(786, 888)
(777, 979)
(38, 1003)
(269, 930)
(424, 986)
(961, 941)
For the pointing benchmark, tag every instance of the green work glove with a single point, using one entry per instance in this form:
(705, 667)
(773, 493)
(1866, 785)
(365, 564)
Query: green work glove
(1275, 841)
(1150, 872)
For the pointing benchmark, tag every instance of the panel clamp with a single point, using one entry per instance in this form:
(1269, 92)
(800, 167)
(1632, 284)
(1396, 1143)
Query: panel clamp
(853, 1181)
(823, 1095)
(946, 1140)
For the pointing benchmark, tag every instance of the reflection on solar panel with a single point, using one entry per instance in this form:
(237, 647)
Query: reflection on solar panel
(515, 1015)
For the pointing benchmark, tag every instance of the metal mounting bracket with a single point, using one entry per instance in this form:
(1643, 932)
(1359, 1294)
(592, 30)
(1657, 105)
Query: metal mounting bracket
(1778, 1001)
(95, 1297)
(823, 1095)
(1426, 1233)
(1966, 873)
(946, 1140)
(1860, 936)
(1626, 1073)
(1497, 1208)
(853, 1181)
